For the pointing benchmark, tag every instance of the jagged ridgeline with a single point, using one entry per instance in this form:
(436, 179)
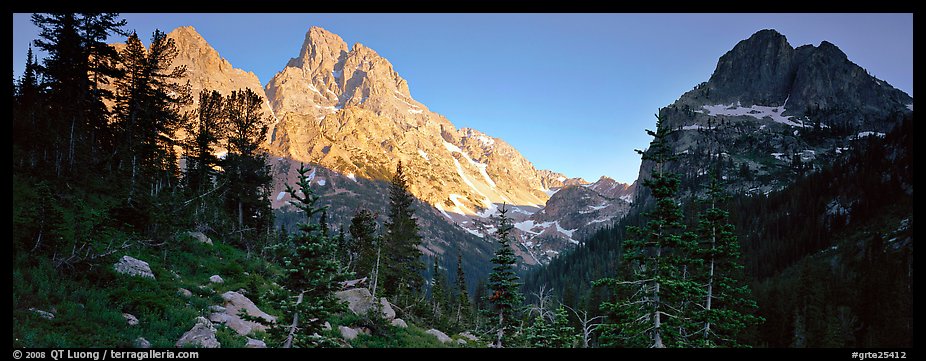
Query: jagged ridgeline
(817, 154)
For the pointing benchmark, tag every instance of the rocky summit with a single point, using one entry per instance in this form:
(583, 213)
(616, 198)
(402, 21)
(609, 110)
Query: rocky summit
(770, 112)
(345, 111)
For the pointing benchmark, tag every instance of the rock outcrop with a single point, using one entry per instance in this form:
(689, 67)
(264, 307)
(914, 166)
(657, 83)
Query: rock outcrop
(360, 301)
(234, 304)
(130, 319)
(201, 237)
(133, 267)
(201, 335)
(442, 337)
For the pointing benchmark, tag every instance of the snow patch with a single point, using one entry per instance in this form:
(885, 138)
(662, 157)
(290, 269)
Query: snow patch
(352, 177)
(441, 209)
(314, 89)
(526, 226)
(281, 195)
(597, 221)
(561, 178)
(870, 133)
(627, 198)
(321, 182)
(423, 154)
(481, 166)
(910, 106)
(415, 111)
(551, 192)
(755, 111)
(457, 205)
(692, 127)
(567, 232)
(337, 73)
(311, 175)
(474, 232)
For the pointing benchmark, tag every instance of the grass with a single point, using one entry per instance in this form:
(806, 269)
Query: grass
(88, 303)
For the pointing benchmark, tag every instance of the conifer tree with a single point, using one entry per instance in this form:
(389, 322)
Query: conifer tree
(504, 294)
(563, 334)
(248, 176)
(364, 244)
(539, 333)
(401, 274)
(204, 134)
(650, 309)
(438, 293)
(463, 304)
(727, 306)
(305, 297)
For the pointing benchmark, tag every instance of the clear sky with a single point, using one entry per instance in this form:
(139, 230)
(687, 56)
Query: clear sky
(572, 92)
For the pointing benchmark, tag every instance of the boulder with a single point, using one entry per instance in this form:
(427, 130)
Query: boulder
(469, 336)
(461, 341)
(130, 319)
(234, 303)
(202, 238)
(359, 301)
(141, 342)
(43, 314)
(348, 333)
(326, 326)
(133, 267)
(201, 335)
(216, 279)
(442, 337)
(386, 308)
(255, 343)
(398, 322)
(353, 283)
(184, 292)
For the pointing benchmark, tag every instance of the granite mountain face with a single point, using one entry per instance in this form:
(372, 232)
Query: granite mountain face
(770, 111)
(348, 112)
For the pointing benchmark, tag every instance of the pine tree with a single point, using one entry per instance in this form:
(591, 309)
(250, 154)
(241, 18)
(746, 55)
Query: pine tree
(402, 264)
(148, 115)
(78, 61)
(563, 334)
(463, 304)
(504, 295)
(305, 297)
(248, 176)
(364, 244)
(727, 307)
(539, 334)
(438, 293)
(651, 309)
(204, 134)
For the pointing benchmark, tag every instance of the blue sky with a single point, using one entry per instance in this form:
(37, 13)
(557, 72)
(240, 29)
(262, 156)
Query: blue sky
(572, 92)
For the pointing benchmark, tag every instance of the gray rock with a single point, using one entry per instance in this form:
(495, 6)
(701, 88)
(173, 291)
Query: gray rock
(469, 336)
(216, 279)
(133, 267)
(234, 303)
(398, 322)
(202, 238)
(359, 301)
(217, 308)
(326, 326)
(255, 343)
(130, 319)
(202, 335)
(388, 312)
(43, 314)
(347, 333)
(442, 337)
(141, 342)
(353, 283)
(184, 292)
(461, 341)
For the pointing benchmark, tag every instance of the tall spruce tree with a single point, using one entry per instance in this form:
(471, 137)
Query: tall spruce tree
(401, 274)
(727, 306)
(247, 173)
(204, 132)
(148, 103)
(463, 304)
(364, 244)
(305, 297)
(78, 61)
(504, 289)
(651, 309)
(438, 294)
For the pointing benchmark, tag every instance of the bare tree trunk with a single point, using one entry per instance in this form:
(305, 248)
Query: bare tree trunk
(292, 327)
(376, 271)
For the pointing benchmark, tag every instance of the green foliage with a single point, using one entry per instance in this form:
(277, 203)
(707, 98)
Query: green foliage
(305, 296)
(504, 295)
(652, 308)
(401, 267)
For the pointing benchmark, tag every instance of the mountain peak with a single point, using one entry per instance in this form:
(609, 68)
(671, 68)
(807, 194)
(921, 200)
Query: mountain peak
(187, 34)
